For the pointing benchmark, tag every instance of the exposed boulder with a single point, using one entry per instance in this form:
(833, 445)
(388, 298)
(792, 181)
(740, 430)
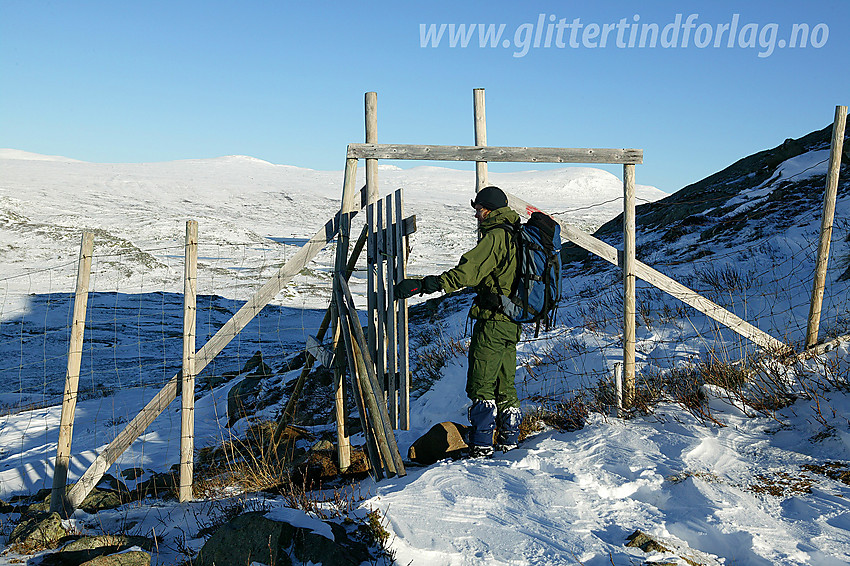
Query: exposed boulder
(444, 440)
(652, 544)
(88, 548)
(253, 537)
(319, 467)
(95, 501)
(128, 558)
(37, 532)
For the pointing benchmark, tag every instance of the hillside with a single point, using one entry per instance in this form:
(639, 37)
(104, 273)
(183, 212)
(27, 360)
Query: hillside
(713, 470)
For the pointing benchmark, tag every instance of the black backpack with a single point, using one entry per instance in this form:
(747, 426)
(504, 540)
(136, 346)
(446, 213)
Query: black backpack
(537, 286)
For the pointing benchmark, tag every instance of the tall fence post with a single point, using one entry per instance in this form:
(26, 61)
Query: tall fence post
(481, 180)
(829, 196)
(72, 377)
(629, 260)
(187, 420)
(371, 103)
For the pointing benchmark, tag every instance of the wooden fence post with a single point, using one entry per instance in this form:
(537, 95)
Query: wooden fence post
(72, 377)
(481, 179)
(371, 243)
(629, 259)
(187, 420)
(829, 196)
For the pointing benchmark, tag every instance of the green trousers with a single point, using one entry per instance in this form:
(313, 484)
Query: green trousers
(492, 362)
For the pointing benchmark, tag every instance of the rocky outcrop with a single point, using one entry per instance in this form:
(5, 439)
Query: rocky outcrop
(105, 548)
(43, 530)
(253, 537)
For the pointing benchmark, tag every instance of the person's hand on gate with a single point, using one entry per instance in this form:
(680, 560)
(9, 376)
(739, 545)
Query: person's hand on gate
(407, 288)
(431, 284)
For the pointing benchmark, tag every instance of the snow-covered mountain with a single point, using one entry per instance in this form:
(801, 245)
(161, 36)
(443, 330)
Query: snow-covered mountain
(248, 209)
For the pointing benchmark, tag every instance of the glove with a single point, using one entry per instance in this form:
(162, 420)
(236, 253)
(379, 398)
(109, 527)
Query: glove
(431, 284)
(407, 288)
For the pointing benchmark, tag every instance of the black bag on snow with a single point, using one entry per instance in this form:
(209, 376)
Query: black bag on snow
(537, 286)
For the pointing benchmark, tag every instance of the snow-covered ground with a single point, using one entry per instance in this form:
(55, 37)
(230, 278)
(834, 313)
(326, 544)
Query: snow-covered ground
(700, 487)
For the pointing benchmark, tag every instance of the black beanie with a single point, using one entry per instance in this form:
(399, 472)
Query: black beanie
(491, 198)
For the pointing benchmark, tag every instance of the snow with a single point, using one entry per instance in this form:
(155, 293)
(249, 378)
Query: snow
(299, 519)
(701, 486)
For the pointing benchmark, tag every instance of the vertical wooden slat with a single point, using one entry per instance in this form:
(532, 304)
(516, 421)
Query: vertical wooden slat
(391, 257)
(835, 150)
(187, 420)
(371, 279)
(403, 342)
(629, 259)
(72, 377)
(379, 354)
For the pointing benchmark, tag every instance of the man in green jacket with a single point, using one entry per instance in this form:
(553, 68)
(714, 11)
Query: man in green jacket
(490, 268)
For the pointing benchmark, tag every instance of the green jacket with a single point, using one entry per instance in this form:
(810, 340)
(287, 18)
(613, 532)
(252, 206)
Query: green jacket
(490, 267)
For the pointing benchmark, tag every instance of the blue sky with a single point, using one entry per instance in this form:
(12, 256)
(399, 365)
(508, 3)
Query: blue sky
(284, 81)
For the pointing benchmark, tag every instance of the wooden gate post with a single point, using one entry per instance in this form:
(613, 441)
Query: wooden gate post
(629, 260)
(481, 180)
(72, 377)
(826, 224)
(371, 242)
(187, 416)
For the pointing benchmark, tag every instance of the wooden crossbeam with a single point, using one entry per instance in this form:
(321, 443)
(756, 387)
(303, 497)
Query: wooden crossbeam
(668, 285)
(494, 153)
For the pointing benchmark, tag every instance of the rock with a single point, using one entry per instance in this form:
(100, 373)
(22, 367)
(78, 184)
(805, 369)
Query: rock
(159, 485)
(321, 466)
(242, 398)
(444, 440)
(88, 548)
(254, 538)
(293, 363)
(257, 365)
(97, 500)
(132, 473)
(129, 558)
(326, 445)
(689, 556)
(645, 542)
(38, 532)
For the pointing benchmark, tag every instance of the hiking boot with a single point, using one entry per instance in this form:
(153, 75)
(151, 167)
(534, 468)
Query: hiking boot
(508, 422)
(480, 451)
(482, 417)
(506, 447)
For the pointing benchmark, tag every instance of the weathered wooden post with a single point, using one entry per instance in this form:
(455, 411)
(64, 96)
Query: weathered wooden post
(829, 196)
(342, 266)
(629, 259)
(187, 416)
(371, 197)
(403, 337)
(481, 180)
(72, 377)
